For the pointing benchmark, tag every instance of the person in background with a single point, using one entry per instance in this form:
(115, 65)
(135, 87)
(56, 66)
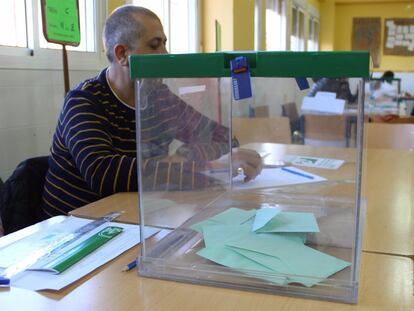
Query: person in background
(340, 86)
(383, 89)
(93, 152)
(387, 76)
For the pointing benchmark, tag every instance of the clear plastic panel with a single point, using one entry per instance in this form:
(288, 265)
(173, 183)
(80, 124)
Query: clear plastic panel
(190, 132)
(382, 97)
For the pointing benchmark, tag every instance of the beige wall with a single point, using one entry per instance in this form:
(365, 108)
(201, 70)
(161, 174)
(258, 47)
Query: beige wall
(222, 11)
(243, 25)
(113, 4)
(336, 26)
(236, 18)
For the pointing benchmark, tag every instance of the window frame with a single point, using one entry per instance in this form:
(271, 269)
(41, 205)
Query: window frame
(34, 57)
(313, 33)
(301, 46)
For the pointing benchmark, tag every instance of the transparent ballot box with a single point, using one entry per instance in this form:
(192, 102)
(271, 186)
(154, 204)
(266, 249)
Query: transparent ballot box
(254, 168)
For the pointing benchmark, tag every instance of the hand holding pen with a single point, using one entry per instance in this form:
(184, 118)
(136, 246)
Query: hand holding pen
(247, 162)
(244, 162)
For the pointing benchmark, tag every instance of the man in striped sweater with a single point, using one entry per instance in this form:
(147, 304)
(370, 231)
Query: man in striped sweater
(93, 152)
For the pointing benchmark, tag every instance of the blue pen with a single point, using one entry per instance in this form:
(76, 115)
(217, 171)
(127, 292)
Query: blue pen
(4, 282)
(296, 173)
(131, 265)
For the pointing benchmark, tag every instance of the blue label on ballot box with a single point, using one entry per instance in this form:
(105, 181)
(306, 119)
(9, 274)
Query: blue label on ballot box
(302, 82)
(240, 78)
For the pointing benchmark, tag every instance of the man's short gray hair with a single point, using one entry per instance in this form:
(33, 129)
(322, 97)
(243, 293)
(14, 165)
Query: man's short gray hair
(123, 27)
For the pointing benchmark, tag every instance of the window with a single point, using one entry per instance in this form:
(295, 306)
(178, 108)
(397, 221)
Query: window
(313, 38)
(296, 31)
(13, 18)
(180, 21)
(297, 37)
(24, 46)
(16, 16)
(275, 25)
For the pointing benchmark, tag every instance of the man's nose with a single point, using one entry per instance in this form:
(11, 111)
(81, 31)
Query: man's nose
(163, 50)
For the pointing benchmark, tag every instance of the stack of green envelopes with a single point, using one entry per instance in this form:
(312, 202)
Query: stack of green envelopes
(267, 242)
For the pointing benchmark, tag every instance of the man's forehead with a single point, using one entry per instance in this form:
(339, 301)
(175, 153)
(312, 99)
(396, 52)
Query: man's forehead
(146, 19)
(152, 25)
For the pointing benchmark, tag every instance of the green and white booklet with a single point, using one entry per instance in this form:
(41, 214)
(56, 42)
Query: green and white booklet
(71, 256)
(326, 163)
(77, 259)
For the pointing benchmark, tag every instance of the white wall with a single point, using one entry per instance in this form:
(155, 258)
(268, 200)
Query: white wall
(30, 101)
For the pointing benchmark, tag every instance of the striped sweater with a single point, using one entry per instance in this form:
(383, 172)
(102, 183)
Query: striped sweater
(93, 152)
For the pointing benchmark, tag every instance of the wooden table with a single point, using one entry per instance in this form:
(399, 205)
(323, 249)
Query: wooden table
(386, 284)
(388, 181)
(389, 190)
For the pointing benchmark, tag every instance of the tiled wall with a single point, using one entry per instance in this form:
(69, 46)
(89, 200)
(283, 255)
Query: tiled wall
(30, 101)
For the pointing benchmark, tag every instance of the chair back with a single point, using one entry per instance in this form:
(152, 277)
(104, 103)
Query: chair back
(291, 111)
(262, 130)
(390, 118)
(325, 130)
(389, 136)
(403, 120)
(21, 195)
(261, 112)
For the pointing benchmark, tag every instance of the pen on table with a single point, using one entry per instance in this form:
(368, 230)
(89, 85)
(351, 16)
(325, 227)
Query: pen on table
(226, 170)
(273, 164)
(220, 170)
(130, 266)
(239, 170)
(276, 164)
(4, 282)
(265, 155)
(296, 173)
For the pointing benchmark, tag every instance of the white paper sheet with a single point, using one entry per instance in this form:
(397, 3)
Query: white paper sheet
(390, 24)
(390, 44)
(191, 89)
(38, 280)
(323, 104)
(325, 94)
(406, 29)
(276, 177)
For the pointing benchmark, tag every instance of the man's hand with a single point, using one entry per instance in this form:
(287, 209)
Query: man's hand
(247, 160)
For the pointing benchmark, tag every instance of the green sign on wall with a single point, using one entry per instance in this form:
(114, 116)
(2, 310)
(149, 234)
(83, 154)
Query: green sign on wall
(61, 21)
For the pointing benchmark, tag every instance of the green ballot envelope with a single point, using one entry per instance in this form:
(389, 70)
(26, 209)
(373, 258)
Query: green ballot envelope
(280, 252)
(253, 201)
(85, 248)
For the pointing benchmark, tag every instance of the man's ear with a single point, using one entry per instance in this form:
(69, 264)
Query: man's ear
(121, 54)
